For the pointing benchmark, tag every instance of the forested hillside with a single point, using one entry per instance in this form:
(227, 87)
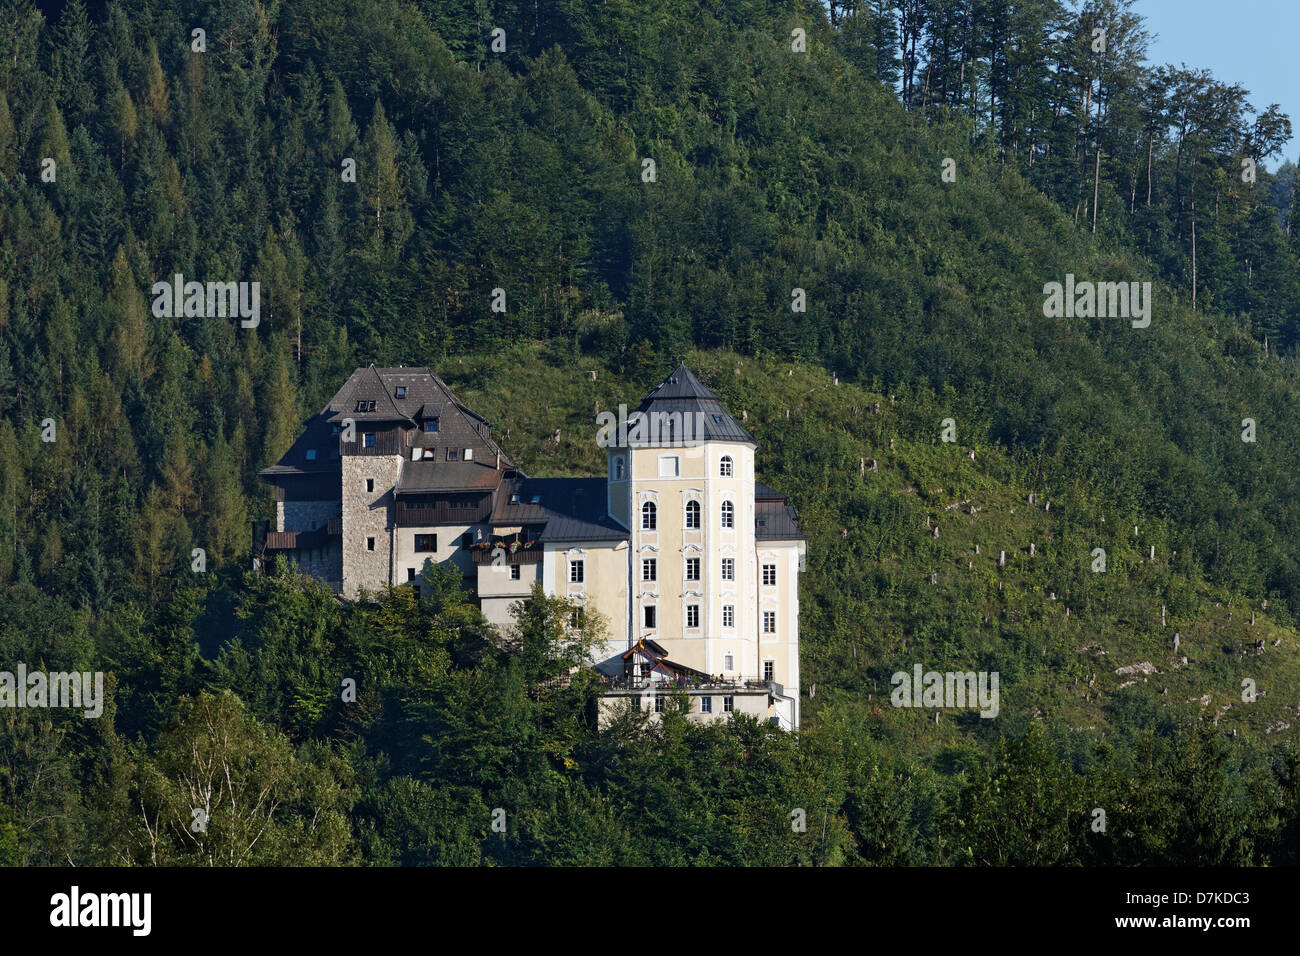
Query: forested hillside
(920, 171)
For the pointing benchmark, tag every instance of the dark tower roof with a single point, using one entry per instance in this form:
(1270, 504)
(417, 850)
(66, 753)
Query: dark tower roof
(682, 393)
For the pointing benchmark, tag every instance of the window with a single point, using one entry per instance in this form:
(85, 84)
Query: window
(706, 705)
(649, 569)
(370, 484)
(668, 466)
(334, 429)
(410, 574)
(769, 575)
(368, 439)
(659, 703)
(370, 544)
(426, 542)
(692, 569)
(577, 618)
(692, 615)
(466, 540)
(728, 662)
(514, 572)
(361, 406)
(728, 515)
(724, 467)
(728, 704)
(575, 572)
(728, 569)
(769, 670)
(401, 391)
(452, 454)
(431, 425)
(619, 469)
(648, 516)
(311, 454)
(769, 622)
(728, 617)
(469, 454)
(692, 514)
(650, 615)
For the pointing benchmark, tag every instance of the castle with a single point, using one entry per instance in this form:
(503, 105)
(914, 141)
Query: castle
(691, 560)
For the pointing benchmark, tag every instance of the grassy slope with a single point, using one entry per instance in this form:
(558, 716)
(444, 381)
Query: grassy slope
(869, 608)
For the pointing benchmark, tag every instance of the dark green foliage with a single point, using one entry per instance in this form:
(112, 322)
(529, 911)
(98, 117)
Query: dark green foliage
(522, 170)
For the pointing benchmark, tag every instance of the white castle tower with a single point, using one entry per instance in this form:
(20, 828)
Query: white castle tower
(714, 554)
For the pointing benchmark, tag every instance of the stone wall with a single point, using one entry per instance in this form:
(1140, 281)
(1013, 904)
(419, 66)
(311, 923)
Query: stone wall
(367, 515)
(324, 564)
(304, 515)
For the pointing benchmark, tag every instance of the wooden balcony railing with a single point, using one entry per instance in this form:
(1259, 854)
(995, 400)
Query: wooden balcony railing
(522, 556)
(410, 515)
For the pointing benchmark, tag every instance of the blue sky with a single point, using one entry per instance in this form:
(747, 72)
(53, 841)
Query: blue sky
(1251, 43)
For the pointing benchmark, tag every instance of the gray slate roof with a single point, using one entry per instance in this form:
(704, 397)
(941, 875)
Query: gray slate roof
(429, 477)
(776, 521)
(426, 396)
(316, 437)
(683, 393)
(572, 509)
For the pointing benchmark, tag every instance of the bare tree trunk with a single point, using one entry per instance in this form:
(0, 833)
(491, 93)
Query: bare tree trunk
(1149, 142)
(1096, 180)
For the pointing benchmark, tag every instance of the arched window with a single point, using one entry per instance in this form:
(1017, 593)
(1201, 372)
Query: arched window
(692, 514)
(618, 468)
(648, 516)
(728, 515)
(724, 467)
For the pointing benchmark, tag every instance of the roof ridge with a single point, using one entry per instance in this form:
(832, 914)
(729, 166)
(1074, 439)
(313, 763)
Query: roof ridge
(383, 387)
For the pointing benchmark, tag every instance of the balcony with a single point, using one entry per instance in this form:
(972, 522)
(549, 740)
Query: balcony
(521, 555)
(303, 540)
(740, 685)
(441, 513)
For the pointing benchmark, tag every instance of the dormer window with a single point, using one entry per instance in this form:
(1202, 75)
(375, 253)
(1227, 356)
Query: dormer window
(514, 499)
(401, 391)
(311, 454)
(431, 425)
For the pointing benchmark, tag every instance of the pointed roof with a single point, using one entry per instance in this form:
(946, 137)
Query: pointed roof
(423, 396)
(682, 393)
